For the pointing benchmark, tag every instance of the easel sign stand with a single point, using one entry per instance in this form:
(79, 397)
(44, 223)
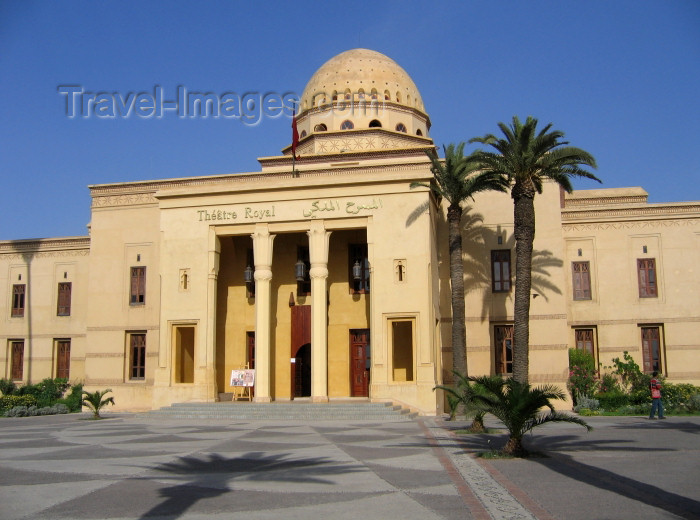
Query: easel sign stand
(242, 380)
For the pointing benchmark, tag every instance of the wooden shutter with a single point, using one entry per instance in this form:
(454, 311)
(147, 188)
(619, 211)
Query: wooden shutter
(582, 280)
(64, 298)
(646, 269)
(651, 348)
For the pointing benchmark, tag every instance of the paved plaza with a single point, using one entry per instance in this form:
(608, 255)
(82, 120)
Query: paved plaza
(128, 466)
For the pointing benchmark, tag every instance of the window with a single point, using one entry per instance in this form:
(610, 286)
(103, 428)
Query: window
(358, 263)
(401, 128)
(419, 132)
(303, 134)
(646, 274)
(17, 360)
(401, 331)
(18, 300)
(250, 286)
(651, 349)
(137, 356)
(503, 339)
(63, 358)
(320, 128)
(581, 276)
(304, 285)
(138, 286)
(500, 270)
(375, 123)
(584, 340)
(347, 125)
(64, 297)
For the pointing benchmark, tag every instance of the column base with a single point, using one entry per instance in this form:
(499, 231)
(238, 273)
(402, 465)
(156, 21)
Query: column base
(319, 399)
(262, 399)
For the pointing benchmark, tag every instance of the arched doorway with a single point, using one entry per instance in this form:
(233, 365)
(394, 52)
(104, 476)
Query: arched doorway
(301, 372)
(301, 351)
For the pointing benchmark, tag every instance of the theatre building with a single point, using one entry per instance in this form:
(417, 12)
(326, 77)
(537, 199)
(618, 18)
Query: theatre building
(329, 276)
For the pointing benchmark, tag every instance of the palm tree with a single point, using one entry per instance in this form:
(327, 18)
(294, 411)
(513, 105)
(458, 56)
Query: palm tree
(518, 406)
(457, 179)
(525, 158)
(462, 394)
(96, 401)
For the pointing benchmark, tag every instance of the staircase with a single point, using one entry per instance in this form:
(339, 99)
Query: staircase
(286, 411)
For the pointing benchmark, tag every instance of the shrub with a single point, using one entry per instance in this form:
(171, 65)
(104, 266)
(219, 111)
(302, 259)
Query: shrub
(17, 411)
(631, 376)
(11, 401)
(693, 404)
(74, 400)
(582, 374)
(675, 396)
(31, 411)
(586, 403)
(632, 409)
(610, 401)
(7, 387)
(47, 392)
(609, 383)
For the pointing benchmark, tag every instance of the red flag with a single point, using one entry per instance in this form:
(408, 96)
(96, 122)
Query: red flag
(295, 135)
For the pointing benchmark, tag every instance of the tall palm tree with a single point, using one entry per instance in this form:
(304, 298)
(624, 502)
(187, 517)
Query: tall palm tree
(525, 159)
(457, 179)
(518, 406)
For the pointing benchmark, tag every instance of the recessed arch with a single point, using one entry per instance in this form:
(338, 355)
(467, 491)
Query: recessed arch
(303, 134)
(375, 123)
(347, 125)
(419, 132)
(400, 127)
(320, 128)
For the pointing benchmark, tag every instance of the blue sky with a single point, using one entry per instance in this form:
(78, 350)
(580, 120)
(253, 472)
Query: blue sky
(621, 79)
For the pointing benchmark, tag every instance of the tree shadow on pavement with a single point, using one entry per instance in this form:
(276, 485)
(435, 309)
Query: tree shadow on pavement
(548, 452)
(210, 476)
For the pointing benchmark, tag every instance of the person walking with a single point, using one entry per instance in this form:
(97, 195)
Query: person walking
(657, 404)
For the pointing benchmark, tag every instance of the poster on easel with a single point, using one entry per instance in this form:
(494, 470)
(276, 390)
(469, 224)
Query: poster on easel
(243, 377)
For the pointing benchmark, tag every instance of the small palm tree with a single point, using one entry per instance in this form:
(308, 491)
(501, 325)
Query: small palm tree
(461, 394)
(518, 407)
(96, 400)
(526, 158)
(456, 179)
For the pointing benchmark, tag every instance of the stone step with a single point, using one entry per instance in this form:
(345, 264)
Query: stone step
(284, 411)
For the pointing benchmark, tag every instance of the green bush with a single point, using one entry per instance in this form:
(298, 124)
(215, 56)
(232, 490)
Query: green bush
(582, 375)
(11, 401)
(693, 404)
(47, 392)
(610, 401)
(675, 396)
(74, 399)
(7, 387)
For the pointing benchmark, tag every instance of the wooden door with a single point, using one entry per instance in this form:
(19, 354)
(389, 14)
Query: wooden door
(360, 360)
(300, 360)
(63, 359)
(250, 343)
(17, 360)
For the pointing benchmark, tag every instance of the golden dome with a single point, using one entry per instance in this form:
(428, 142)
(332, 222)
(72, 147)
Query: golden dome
(361, 71)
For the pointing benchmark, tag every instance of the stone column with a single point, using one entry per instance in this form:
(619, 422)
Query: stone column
(318, 256)
(262, 252)
(206, 358)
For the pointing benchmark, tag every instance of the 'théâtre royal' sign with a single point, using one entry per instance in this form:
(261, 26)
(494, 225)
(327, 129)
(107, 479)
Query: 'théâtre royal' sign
(311, 210)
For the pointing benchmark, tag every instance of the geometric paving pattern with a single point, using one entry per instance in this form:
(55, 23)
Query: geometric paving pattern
(138, 468)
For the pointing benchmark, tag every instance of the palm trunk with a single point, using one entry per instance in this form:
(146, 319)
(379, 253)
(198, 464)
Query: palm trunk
(524, 230)
(459, 341)
(514, 447)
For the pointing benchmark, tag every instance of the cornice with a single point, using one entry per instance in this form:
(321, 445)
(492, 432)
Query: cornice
(64, 246)
(630, 224)
(692, 209)
(604, 201)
